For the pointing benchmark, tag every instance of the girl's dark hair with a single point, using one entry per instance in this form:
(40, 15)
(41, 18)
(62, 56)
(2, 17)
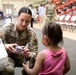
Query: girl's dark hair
(54, 33)
(25, 10)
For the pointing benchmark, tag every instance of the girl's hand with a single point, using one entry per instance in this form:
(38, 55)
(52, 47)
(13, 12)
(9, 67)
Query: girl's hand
(25, 66)
(10, 47)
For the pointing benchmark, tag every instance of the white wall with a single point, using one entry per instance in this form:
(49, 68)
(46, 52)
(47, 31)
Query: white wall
(17, 3)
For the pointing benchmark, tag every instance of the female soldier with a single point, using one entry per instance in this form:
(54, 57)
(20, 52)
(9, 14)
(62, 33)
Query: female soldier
(20, 34)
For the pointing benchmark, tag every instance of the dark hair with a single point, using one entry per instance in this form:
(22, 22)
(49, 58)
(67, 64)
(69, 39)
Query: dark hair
(54, 33)
(25, 10)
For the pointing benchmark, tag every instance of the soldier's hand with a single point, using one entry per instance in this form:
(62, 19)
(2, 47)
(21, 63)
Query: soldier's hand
(25, 52)
(10, 47)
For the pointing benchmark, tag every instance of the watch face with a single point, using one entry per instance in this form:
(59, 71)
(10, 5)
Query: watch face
(19, 49)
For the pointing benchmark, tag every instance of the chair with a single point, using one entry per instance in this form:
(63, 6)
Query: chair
(57, 17)
(69, 11)
(74, 9)
(66, 22)
(73, 22)
(60, 20)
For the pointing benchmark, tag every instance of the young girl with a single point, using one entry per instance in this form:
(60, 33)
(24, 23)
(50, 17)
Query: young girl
(54, 59)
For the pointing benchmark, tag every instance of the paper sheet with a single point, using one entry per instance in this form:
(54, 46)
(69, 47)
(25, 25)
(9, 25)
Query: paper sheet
(3, 52)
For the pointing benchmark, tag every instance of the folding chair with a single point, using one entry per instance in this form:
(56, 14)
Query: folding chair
(73, 22)
(57, 17)
(60, 20)
(74, 9)
(66, 22)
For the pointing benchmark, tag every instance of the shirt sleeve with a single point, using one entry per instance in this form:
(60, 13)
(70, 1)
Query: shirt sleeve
(33, 43)
(3, 32)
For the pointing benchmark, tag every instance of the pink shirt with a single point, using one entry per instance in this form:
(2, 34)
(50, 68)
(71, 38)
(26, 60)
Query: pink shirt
(52, 65)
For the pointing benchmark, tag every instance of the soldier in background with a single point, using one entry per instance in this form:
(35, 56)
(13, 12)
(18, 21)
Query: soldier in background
(22, 35)
(50, 11)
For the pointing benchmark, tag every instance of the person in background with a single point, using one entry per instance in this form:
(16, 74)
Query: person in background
(34, 11)
(53, 60)
(37, 17)
(50, 10)
(18, 36)
(41, 11)
(15, 13)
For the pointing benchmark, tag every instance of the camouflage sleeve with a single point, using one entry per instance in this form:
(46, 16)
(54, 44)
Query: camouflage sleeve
(3, 31)
(33, 43)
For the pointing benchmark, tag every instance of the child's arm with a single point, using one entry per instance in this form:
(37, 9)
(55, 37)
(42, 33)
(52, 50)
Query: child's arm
(66, 65)
(38, 64)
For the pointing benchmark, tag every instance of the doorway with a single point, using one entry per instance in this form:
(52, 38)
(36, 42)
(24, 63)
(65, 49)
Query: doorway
(8, 9)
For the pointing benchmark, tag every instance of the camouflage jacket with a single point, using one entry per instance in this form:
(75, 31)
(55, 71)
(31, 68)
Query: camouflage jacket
(50, 10)
(9, 35)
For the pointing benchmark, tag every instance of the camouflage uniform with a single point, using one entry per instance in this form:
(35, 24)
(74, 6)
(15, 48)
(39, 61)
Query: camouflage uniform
(9, 35)
(50, 13)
